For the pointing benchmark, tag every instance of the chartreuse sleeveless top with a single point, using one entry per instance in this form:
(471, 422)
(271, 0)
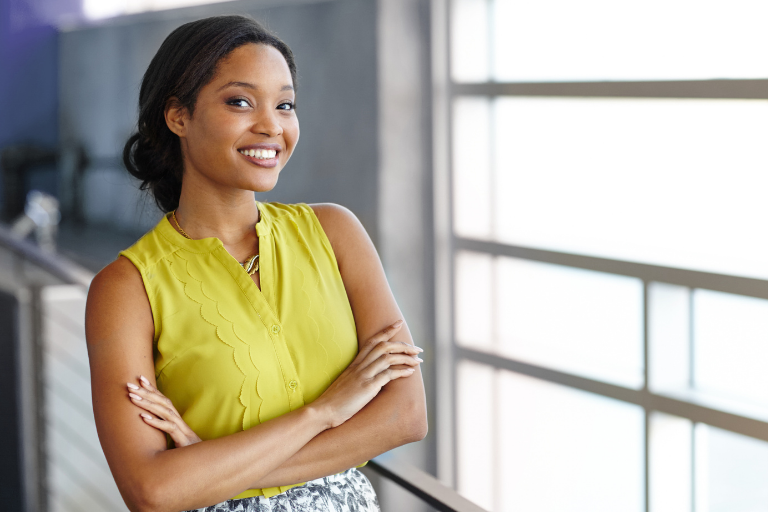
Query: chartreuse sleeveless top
(231, 356)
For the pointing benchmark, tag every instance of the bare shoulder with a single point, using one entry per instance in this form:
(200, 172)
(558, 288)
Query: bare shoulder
(344, 230)
(117, 296)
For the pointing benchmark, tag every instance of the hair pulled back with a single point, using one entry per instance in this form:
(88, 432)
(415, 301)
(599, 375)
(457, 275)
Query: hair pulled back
(184, 64)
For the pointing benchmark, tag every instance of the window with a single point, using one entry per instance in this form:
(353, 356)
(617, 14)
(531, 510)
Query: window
(604, 173)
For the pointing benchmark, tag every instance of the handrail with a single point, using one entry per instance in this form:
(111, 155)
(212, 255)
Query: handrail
(423, 485)
(738, 285)
(58, 266)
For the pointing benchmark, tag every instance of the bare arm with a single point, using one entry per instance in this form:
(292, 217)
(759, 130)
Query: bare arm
(398, 413)
(119, 331)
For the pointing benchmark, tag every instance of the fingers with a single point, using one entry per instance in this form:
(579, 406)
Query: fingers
(180, 438)
(384, 335)
(391, 374)
(387, 361)
(150, 399)
(389, 347)
(164, 415)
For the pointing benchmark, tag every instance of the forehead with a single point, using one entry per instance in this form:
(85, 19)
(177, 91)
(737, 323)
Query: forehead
(255, 63)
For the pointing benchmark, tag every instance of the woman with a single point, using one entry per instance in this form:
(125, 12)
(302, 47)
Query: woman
(273, 358)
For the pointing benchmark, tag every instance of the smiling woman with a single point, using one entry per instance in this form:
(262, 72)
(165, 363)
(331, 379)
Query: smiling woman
(244, 355)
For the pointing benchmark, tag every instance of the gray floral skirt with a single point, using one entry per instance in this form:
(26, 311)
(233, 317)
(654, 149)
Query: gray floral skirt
(349, 491)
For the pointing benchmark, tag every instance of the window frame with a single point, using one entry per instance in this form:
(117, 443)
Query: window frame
(696, 407)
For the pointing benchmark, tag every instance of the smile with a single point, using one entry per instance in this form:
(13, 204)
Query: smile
(261, 154)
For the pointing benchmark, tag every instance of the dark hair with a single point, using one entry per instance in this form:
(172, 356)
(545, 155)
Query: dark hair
(185, 62)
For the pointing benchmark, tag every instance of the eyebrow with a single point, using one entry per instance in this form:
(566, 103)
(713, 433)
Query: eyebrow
(249, 85)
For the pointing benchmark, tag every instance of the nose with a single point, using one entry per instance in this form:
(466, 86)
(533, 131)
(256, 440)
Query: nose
(266, 122)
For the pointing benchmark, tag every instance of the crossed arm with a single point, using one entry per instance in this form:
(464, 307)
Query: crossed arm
(296, 447)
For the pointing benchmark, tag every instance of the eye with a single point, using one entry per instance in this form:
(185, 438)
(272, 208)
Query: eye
(286, 106)
(238, 102)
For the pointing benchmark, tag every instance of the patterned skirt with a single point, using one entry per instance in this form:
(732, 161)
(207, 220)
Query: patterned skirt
(349, 491)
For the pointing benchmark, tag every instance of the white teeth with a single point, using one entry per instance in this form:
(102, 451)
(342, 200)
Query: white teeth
(259, 153)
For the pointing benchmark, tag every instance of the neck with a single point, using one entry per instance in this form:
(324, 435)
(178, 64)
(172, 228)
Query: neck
(230, 218)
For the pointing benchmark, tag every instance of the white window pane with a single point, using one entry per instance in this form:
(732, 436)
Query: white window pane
(731, 346)
(473, 306)
(678, 183)
(476, 403)
(731, 472)
(469, 40)
(671, 463)
(562, 40)
(578, 321)
(472, 167)
(669, 321)
(563, 449)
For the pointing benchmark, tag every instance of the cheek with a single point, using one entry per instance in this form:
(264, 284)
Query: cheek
(291, 133)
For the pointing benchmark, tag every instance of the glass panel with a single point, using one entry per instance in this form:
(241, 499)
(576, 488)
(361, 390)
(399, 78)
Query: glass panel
(731, 471)
(563, 449)
(679, 183)
(472, 167)
(473, 289)
(589, 323)
(669, 321)
(671, 463)
(469, 40)
(562, 40)
(731, 346)
(475, 425)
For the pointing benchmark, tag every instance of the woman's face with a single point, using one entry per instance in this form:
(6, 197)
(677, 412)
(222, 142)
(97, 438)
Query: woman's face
(244, 127)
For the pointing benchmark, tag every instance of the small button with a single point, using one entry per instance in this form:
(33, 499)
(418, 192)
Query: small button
(275, 329)
(293, 384)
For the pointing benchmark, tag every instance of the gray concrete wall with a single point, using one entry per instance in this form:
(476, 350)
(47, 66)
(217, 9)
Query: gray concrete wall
(335, 47)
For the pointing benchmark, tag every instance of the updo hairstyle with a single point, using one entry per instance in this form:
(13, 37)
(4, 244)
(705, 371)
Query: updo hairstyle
(185, 63)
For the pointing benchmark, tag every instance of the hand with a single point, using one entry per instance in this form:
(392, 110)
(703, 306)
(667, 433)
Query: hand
(378, 362)
(165, 418)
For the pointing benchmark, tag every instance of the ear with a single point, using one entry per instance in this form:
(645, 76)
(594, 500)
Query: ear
(176, 116)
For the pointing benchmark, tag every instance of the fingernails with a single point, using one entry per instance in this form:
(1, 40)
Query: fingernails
(398, 323)
(411, 370)
(146, 416)
(419, 359)
(419, 349)
(133, 386)
(144, 380)
(134, 396)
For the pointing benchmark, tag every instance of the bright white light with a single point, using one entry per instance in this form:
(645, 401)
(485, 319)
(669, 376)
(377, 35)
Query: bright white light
(679, 183)
(671, 453)
(577, 321)
(469, 40)
(473, 299)
(669, 336)
(99, 9)
(472, 167)
(563, 449)
(731, 471)
(562, 40)
(475, 404)
(731, 346)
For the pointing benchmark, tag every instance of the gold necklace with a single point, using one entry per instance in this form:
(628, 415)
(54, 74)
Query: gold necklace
(250, 265)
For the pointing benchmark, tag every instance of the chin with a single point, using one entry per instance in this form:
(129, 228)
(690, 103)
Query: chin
(264, 185)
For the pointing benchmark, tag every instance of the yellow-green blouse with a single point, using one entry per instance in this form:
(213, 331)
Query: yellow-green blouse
(231, 356)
